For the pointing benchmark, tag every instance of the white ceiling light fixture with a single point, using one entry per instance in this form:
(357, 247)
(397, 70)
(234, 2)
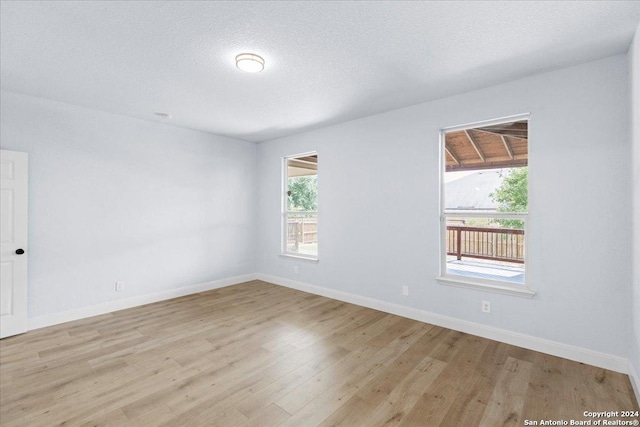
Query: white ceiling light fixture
(250, 62)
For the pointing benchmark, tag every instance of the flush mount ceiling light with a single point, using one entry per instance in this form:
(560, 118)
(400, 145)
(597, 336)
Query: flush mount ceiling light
(250, 62)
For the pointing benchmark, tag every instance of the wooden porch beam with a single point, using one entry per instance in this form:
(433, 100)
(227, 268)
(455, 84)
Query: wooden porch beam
(297, 163)
(450, 152)
(308, 159)
(488, 165)
(507, 146)
(501, 133)
(475, 145)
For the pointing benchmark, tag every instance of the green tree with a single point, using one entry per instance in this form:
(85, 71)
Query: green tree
(512, 196)
(303, 193)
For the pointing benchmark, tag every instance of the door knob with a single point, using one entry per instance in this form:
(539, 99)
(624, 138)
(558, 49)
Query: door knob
(19, 251)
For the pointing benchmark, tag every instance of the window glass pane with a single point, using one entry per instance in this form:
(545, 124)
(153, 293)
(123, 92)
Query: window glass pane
(486, 167)
(302, 184)
(303, 193)
(302, 234)
(300, 218)
(486, 174)
(486, 248)
(488, 190)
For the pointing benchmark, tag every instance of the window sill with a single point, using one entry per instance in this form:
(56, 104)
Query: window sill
(519, 291)
(300, 257)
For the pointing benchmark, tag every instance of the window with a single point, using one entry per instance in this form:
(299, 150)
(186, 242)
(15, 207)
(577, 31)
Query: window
(484, 205)
(300, 206)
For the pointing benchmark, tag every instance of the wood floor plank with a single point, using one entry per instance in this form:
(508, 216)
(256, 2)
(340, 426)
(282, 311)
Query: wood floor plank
(549, 389)
(264, 396)
(505, 406)
(257, 354)
(474, 398)
(110, 419)
(343, 387)
(454, 380)
(391, 394)
(272, 415)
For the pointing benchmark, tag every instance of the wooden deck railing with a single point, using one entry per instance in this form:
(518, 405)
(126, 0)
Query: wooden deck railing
(500, 244)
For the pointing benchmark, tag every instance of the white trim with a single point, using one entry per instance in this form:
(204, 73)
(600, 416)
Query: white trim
(635, 380)
(302, 257)
(489, 122)
(489, 286)
(578, 354)
(486, 214)
(111, 306)
(305, 154)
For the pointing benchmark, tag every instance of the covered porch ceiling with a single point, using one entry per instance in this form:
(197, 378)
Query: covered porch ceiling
(302, 166)
(497, 146)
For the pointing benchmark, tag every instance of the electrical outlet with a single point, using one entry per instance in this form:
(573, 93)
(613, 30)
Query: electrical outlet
(296, 270)
(405, 290)
(486, 306)
(119, 286)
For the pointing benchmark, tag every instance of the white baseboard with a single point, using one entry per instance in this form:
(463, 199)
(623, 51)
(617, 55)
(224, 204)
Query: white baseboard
(635, 380)
(603, 360)
(121, 304)
(578, 354)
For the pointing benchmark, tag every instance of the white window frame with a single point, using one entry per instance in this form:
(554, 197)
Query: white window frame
(285, 212)
(497, 286)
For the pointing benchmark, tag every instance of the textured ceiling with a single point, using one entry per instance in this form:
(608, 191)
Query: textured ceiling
(326, 62)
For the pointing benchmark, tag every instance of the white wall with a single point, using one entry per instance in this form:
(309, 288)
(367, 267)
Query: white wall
(634, 72)
(379, 213)
(114, 198)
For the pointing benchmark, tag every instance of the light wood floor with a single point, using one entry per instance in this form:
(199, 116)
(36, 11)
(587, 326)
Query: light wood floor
(257, 354)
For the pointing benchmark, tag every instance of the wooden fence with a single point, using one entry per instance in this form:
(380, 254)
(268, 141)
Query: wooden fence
(301, 231)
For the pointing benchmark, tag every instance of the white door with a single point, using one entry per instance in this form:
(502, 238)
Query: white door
(13, 242)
